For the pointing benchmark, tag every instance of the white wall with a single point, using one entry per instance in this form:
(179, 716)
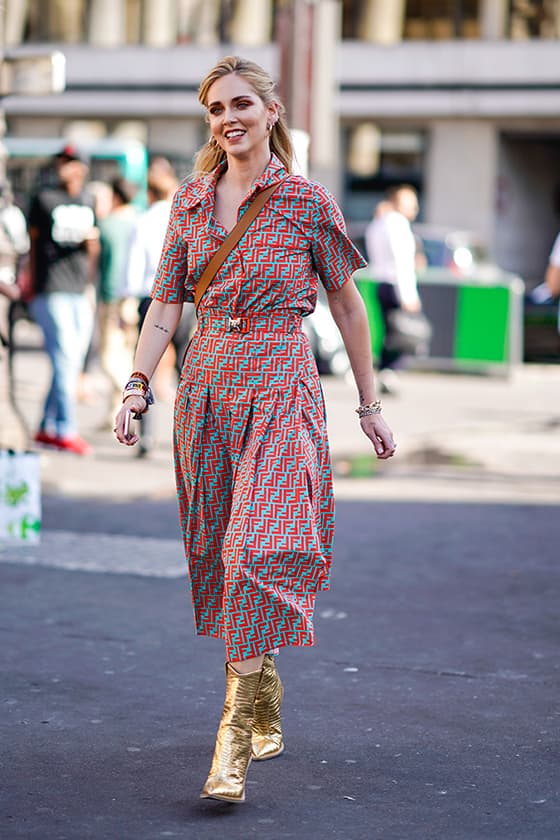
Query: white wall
(174, 137)
(36, 126)
(461, 170)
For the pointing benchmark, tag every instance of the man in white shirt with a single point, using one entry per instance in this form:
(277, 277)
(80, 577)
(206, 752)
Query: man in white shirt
(391, 250)
(552, 277)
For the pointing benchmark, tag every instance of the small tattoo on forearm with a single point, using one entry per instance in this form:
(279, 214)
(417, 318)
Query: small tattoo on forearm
(162, 328)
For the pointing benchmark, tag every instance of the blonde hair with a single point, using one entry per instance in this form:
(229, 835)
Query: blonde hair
(210, 155)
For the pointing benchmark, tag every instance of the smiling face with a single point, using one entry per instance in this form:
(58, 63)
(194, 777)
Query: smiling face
(239, 119)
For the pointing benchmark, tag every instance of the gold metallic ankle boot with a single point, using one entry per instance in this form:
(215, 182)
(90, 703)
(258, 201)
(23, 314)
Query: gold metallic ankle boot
(232, 753)
(267, 726)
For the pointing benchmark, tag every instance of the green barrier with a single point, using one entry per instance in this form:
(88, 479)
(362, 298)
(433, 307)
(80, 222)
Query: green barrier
(482, 324)
(368, 291)
(477, 324)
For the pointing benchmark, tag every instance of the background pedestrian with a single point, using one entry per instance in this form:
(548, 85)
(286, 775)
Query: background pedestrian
(552, 278)
(391, 251)
(64, 252)
(115, 233)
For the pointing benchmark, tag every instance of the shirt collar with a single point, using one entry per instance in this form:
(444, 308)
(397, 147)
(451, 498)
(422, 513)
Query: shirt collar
(274, 172)
(202, 189)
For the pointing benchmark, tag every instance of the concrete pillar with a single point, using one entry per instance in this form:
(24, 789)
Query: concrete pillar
(107, 23)
(301, 65)
(251, 25)
(207, 34)
(493, 16)
(461, 173)
(555, 13)
(14, 22)
(175, 137)
(382, 21)
(133, 21)
(65, 20)
(159, 26)
(324, 122)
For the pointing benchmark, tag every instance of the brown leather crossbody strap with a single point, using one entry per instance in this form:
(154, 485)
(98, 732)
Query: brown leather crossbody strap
(231, 240)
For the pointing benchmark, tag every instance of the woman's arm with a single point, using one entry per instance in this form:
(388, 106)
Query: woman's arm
(157, 331)
(158, 328)
(349, 313)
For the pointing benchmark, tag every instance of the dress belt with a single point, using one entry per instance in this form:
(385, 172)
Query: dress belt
(217, 321)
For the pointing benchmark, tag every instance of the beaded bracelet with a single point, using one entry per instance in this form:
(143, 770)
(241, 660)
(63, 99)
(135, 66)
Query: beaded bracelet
(137, 374)
(369, 409)
(137, 387)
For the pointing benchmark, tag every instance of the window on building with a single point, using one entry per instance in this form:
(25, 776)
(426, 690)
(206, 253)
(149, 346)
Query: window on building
(375, 160)
(441, 19)
(534, 19)
(116, 22)
(429, 20)
(420, 19)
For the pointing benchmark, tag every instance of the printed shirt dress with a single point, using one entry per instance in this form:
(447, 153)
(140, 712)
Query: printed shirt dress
(250, 444)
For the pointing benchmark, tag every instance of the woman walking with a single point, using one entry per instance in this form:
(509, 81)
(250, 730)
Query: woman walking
(251, 453)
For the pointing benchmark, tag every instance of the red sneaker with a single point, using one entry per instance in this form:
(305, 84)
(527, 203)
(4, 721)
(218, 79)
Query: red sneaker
(74, 444)
(45, 439)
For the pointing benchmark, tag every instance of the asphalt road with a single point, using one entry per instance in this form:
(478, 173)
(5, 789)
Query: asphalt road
(428, 709)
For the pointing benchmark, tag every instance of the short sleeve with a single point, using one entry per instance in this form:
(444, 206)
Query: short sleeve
(169, 280)
(555, 254)
(335, 257)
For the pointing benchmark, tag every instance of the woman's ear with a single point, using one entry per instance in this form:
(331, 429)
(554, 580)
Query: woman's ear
(273, 113)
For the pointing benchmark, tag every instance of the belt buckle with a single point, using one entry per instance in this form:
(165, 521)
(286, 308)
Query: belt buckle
(234, 324)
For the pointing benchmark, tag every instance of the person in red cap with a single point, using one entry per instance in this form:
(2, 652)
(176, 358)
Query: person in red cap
(64, 249)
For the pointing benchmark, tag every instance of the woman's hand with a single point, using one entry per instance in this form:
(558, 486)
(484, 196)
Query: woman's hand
(134, 404)
(377, 430)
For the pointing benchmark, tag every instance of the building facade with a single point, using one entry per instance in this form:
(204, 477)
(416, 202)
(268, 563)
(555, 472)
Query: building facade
(459, 97)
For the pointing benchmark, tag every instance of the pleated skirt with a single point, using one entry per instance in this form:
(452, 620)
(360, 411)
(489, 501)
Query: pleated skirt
(254, 482)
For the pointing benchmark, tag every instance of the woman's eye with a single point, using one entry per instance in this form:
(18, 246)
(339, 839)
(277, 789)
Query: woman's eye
(215, 110)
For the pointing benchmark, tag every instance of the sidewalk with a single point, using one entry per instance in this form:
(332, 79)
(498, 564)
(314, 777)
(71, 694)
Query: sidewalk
(460, 437)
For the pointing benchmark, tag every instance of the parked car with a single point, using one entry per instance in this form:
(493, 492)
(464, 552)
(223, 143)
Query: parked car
(325, 339)
(459, 250)
(443, 247)
(446, 250)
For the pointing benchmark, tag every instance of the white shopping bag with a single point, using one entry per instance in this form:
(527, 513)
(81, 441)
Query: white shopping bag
(20, 497)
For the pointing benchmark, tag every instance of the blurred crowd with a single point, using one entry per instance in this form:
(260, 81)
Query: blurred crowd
(81, 265)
